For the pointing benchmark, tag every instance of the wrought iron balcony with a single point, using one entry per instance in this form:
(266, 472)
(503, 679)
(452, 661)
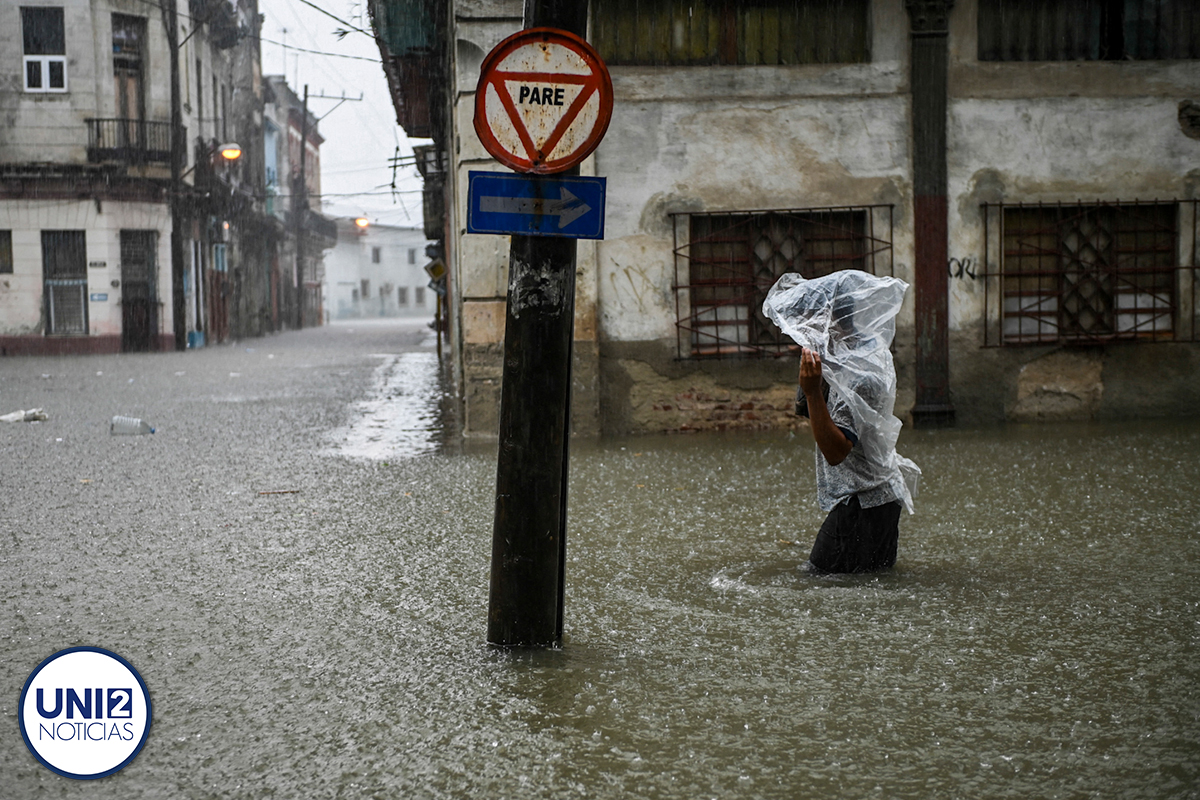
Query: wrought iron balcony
(129, 141)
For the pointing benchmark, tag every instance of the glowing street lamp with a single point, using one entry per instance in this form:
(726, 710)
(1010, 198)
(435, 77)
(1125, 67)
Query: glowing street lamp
(230, 151)
(362, 223)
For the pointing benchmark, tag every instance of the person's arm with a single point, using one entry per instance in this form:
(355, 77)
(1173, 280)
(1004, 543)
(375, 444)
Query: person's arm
(830, 440)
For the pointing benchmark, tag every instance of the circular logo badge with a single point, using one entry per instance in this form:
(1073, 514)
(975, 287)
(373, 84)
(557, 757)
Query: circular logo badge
(85, 713)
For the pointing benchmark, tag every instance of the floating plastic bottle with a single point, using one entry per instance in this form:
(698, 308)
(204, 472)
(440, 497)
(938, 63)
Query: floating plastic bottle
(129, 426)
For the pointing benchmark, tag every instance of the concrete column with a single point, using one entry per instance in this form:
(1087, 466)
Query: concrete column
(929, 67)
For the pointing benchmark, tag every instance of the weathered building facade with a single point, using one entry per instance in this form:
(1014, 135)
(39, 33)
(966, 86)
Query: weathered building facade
(84, 148)
(1031, 169)
(293, 192)
(122, 225)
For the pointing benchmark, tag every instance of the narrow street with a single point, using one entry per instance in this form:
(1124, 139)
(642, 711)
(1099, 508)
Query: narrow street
(215, 547)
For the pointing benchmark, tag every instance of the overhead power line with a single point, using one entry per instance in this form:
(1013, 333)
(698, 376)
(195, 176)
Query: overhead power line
(320, 52)
(351, 26)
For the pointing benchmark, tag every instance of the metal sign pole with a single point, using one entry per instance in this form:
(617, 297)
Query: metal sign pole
(529, 534)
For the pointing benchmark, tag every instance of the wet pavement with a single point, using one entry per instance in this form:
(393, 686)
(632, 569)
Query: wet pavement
(298, 568)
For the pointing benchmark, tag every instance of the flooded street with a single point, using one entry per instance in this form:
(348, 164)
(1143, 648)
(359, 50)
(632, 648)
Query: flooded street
(298, 567)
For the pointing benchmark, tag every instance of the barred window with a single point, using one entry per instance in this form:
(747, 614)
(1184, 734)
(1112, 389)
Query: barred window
(1088, 30)
(64, 277)
(1089, 274)
(6, 253)
(725, 262)
(697, 32)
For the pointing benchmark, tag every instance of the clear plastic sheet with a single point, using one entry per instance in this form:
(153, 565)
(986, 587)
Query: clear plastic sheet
(849, 319)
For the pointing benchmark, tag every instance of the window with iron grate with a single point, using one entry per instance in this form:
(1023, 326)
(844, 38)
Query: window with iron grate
(699, 32)
(728, 261)
(1088, 273)
(6, 253)
(64, 278)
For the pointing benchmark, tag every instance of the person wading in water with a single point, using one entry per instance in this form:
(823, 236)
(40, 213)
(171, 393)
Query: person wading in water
(845, 323)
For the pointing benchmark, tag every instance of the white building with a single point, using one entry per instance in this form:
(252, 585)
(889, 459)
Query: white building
(377, 271)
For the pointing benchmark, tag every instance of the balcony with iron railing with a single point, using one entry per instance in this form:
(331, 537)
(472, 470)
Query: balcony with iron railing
(129, 141)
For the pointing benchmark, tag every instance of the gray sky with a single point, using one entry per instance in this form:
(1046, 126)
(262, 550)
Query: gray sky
(360, 137)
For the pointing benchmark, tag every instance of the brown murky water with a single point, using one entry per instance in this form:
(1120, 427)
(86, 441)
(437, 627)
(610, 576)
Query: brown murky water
(1039, 637)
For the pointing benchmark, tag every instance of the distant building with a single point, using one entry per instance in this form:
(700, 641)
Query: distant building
(378, 271)
(1031, 169)
(296, 275)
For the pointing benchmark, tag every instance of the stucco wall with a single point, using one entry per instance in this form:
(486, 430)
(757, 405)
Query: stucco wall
(751, 138)
(50, 127)
(480, 262)
(735, 139)
(1061, 132)
(21, 306)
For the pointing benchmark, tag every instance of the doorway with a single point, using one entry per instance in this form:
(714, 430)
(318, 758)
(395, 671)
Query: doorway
(129, 33)
(139, 301)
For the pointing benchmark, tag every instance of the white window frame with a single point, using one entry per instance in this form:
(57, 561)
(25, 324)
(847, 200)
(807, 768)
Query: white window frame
(45, 61)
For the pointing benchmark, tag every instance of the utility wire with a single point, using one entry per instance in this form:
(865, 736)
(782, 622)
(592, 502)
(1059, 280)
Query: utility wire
(319, 52)
(338, 19)
(343, 194)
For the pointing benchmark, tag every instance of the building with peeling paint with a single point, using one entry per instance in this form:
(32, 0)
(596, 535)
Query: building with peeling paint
(122, 226)
(1032, 170)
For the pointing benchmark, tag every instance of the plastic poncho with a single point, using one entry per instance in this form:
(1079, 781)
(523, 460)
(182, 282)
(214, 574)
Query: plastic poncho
(849, 319)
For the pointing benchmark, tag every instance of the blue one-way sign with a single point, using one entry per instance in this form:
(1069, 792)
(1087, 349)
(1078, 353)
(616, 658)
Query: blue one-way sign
(533, 205)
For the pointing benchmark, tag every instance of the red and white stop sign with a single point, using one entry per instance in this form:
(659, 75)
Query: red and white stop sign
(543, 102)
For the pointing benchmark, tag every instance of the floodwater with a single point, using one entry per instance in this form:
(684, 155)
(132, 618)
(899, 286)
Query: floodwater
(1038, 637)
(404, 414)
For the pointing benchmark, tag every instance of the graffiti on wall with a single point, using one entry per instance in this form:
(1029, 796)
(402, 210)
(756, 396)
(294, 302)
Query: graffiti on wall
(961, 268)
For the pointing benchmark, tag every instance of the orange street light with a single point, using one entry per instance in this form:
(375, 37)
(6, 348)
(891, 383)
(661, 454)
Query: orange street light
(230, 151)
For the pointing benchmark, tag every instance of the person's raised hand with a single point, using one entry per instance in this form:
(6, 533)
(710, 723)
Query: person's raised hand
(810, 372)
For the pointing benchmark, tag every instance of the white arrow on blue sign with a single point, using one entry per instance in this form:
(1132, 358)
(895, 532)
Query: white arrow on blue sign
(533, 205)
